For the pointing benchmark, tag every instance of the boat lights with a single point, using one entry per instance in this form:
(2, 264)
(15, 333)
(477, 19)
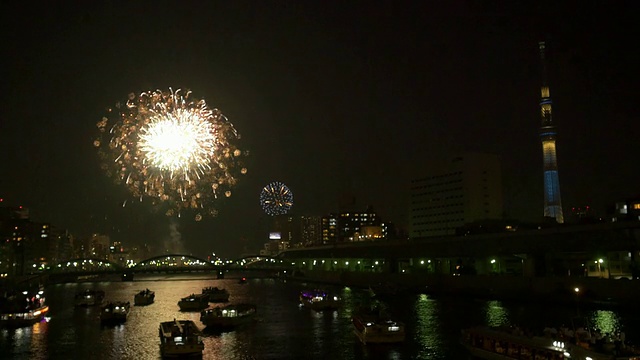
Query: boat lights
(558, 344)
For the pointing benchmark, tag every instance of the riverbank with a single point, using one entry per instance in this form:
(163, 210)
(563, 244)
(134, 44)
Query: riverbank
(539, 289)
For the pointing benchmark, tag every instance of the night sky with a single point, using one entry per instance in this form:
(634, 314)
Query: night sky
(334, 99)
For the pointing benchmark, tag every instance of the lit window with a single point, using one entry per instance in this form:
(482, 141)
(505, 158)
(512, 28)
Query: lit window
(636, 206)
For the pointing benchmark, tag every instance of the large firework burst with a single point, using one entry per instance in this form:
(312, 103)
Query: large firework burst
(276, 198)
(171, 148)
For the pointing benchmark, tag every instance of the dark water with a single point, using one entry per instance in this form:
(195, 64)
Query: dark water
(283, 330)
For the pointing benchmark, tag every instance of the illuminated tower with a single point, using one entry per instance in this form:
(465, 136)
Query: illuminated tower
(552, 203)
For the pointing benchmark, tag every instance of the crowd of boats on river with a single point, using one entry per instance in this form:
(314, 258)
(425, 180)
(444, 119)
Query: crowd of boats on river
(372, 324)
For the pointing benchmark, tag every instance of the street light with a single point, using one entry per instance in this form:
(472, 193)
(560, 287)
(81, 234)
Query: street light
(599, 262)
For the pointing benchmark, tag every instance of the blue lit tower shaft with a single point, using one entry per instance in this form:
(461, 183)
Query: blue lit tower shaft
(552, 202)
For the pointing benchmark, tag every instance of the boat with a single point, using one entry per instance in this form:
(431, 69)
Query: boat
(228, 316)
(374, 326)
(114, 312)
(216, 294)
(144, 297)
(320, 300)
(194, 302)
(89, 298)
(511, 343)
(180, 338)
(14, 313)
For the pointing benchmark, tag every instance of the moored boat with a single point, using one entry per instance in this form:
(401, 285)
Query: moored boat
(89, 298)
(510, 343)
(374, 326)
(114, 312)
(14, 312)
(180, 338)
(194, 302)
(228, 316)
(216, 294)
(320, 300)
(144, 297)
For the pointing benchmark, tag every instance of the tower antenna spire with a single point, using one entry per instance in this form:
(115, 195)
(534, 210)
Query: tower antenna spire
(552, 201)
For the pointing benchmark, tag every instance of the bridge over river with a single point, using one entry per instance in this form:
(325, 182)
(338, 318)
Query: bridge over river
(87, 269)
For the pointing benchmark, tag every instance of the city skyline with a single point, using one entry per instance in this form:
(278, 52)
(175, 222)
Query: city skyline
(355, 99)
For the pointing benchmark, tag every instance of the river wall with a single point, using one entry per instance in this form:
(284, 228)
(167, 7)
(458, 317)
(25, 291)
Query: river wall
(552, 289)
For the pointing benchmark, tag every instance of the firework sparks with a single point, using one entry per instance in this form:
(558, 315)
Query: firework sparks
(276, 198)
(171, 148)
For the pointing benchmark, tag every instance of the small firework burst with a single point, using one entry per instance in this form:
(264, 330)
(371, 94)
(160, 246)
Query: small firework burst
(276, 199)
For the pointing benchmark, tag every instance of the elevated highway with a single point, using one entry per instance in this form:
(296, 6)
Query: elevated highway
(549, 251)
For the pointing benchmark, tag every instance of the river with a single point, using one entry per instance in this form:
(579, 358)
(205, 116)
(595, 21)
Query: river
(282, 330)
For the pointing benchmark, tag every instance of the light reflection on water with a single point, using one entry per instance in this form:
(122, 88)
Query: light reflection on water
(426, 333)
(497, 315)
(607, 321)
(282, 329)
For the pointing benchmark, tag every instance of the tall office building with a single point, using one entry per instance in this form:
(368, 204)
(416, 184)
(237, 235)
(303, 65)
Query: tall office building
(329, 228)
(359, 225)
(552, 203)
(311, 230)
(466, 189)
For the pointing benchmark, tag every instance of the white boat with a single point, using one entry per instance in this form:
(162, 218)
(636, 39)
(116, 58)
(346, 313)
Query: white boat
(194, 302)
(501, 343)
(14, 312)
(320, 300)
(180, 338)
(216, 294)
(144, 297)
(89, 298)
(228, 316)
(376, 327)
(114, 312)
